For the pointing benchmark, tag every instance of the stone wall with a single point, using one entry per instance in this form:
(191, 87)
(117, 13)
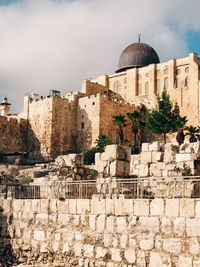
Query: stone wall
(103, 232)
(13, 133)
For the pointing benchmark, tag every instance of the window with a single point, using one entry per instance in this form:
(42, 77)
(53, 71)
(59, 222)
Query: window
(146, 88)
(116, 86)
(186, 81)
(176, 83)
(93, 103)
(82, 116)
(166, 83)
(178, 71)
(82, 125)
(187, 69)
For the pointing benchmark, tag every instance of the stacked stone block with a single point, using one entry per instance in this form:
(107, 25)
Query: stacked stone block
(104, 232)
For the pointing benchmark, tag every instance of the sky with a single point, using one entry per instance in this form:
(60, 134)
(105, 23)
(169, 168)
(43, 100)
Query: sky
(56, 44)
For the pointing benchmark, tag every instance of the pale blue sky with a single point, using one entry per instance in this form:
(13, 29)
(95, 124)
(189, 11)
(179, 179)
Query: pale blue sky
(55, 44)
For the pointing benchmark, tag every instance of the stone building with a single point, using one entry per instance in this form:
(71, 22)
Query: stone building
(72, 122)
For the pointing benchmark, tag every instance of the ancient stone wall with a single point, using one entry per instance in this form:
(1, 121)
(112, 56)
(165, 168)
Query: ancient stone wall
(13, 133)
(102, 232)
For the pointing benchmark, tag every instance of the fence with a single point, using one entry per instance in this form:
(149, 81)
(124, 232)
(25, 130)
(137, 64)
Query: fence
(185, 187)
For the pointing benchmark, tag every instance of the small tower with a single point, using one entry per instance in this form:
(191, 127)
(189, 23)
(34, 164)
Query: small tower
(4, 107)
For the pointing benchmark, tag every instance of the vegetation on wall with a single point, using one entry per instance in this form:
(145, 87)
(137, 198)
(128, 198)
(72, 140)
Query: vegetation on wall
(120, 121)
(102, 141)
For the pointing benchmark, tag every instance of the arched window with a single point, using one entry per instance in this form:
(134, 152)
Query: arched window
(186, 81)
(166, 71)
(187, 69)
(146, 88)
(176, 83)
(178, 71)
(166, 83)
(158, 86)
(116, 86)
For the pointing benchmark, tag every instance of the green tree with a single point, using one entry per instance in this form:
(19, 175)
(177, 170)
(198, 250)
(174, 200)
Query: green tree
(192, 131)
(120, 121)
(101, 142)
(165, 118)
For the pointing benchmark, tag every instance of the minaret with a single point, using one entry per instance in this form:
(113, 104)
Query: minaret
(4, 107)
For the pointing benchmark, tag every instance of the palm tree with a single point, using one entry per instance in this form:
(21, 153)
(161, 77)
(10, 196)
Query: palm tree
(102, 141)
(192, 131)
(120, 121)
(135, 118)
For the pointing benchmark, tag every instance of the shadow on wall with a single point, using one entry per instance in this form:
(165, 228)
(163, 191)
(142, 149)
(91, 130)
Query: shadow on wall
(7, 256)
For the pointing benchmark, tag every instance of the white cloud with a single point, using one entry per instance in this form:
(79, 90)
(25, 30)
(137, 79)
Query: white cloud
(46, 44)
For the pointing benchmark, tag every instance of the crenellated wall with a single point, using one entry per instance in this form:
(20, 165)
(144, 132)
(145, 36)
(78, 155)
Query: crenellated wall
(103, 232)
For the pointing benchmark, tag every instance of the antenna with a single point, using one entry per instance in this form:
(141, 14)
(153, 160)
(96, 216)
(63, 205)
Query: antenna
(139, 37)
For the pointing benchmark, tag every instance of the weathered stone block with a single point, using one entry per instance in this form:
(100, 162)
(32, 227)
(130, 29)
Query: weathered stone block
(159, 259)
(193, 227)
(88, 251)
(129, 255)
(127, 206)
(110, 224)
(98, 206)
(194, 247)
(145, 147)
(197, 209)
(179, 226)
(185, 157)
(146, 242)
(118, 206)
(172, 207)
(100, 252)
(196, 263)
(150, 224)
(116, 255)
(141, 207)
(63, 206)
(78, 246)
(146, 157)
(166, 226)
(39, 235)
(143, 170)
(187, 207)
(101, 221)
(107, 240)
(44, 205)
(83, 205)
(184, 261)
(157, 207)
(92, 222)
(72, 206)
(121, 224)
(110, 206)
(172, 245)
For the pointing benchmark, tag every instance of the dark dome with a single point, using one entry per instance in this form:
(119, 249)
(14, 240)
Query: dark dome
(137, 55)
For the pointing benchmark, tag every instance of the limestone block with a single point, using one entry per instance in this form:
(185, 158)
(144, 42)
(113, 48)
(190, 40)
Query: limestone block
(150, 224)
(72, 206)
(197, 209)
(63, 206)
(185, 157)
(78, 236)
(98, 206)
(121, 224)
(42, 217)
(44, 205)
(6, 205)
(123, 240)
(116, 255)
(157, 156)
(141, 207)
(172, 207)
(194, 247)
(78, 246)
(121, 153)
(100, 252)
(110, 224)
(107, 240)
(193, 227)
(145, 147)
(129, 255)
(196, 263)
(128, 154)
(159, 259)
(127, 206)
(55, 246)
(170, 152)
(66, 247)
(158, 242)
(154, 171)
(134, 158)
(111, 152)
(179, 226)
(92, 222)
(118, 206)
(17, 205)
(119, 168)
(184, 261)
(75, 220)
(27, 207)
(35, 205)
(187, 207)
(97, 158)
(83, 205)
(146, 157)
(101, 222)
(88, 251)
(64, 219)
(143, 170)
(110, 206)
(196, 147)
(166, 226)
(172, 245)
(134, 171)
(155, 146)
(39, 235)
(146, 242)
(157, 207)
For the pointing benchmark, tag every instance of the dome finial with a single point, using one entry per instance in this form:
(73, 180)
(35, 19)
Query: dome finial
(139, 37)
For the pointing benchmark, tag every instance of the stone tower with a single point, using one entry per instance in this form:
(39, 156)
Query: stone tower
(4, 107)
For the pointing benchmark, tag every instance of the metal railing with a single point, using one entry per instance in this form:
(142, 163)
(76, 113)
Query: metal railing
(185, 187)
